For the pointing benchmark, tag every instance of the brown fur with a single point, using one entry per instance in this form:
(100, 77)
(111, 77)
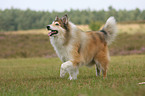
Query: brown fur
(96, 50)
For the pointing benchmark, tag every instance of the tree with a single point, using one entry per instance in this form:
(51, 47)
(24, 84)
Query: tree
(16, 19)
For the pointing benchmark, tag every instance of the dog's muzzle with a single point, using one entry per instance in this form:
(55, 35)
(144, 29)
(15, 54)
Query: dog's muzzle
(52, 32)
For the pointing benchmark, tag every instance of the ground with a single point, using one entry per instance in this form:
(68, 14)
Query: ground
(29, 70)
(40, 77)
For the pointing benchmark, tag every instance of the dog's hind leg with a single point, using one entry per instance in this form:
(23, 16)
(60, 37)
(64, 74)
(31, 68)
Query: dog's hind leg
(98, 68)
(103, 59)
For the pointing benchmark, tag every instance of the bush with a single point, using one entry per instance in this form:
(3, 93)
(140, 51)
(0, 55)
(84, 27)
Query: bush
(94, 26)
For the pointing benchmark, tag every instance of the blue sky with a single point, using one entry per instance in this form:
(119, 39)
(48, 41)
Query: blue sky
(61, 5)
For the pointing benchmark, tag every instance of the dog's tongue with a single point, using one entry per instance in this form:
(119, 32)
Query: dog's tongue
(49, 34)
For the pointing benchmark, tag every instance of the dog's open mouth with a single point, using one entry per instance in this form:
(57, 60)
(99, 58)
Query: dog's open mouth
(52, 32)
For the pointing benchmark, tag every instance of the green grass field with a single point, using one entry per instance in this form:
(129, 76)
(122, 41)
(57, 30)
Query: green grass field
(40, 77)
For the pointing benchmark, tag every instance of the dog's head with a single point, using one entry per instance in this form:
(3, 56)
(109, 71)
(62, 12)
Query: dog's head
(58, 26)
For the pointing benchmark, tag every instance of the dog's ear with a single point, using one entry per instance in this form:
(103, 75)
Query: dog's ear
(56, 18)
(65, 19)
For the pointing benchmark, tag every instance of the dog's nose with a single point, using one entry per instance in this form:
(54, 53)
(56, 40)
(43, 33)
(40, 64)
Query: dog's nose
(48, 27)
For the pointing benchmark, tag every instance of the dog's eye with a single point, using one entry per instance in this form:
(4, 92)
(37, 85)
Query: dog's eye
(57, 24)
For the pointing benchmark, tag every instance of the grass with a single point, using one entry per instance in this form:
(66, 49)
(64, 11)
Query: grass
(40, 77)
(128, 44)
(131, 28)
(26, 45)
(38, 45)
(35, 43)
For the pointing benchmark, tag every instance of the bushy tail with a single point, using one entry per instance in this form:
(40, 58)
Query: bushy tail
(110, 30)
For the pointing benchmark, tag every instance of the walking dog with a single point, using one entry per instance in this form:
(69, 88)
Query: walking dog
(76, 48)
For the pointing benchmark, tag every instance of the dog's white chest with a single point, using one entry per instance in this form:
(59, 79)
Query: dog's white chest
(62, 51)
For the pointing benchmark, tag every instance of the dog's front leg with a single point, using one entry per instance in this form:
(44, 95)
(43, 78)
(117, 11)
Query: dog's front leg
(68, 67)
(73, 74)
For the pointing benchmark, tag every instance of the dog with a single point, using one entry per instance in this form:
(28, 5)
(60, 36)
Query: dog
(76, 48)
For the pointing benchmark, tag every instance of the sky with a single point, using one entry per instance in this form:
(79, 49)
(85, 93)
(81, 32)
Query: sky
(61, 5)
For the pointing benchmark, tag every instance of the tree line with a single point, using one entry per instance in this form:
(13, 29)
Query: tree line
(17, 19)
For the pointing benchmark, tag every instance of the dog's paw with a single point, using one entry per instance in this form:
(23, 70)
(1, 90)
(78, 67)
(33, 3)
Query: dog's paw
(62, 74)
(71, 78)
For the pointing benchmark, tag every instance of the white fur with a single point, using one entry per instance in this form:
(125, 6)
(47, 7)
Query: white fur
(68, 67)
(61, 51)
(111, 28)
(64, 52)
(57, 42)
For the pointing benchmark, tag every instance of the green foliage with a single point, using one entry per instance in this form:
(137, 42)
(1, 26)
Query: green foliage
(95, 26)
(16, 19)
(40, 77)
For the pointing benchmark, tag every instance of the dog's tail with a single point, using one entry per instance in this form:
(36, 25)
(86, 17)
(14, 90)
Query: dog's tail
(110, 30)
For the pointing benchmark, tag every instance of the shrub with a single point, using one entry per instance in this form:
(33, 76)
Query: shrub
(94, 26)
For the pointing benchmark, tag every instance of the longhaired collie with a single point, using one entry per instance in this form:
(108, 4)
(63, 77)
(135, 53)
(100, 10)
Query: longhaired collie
(76, 48)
